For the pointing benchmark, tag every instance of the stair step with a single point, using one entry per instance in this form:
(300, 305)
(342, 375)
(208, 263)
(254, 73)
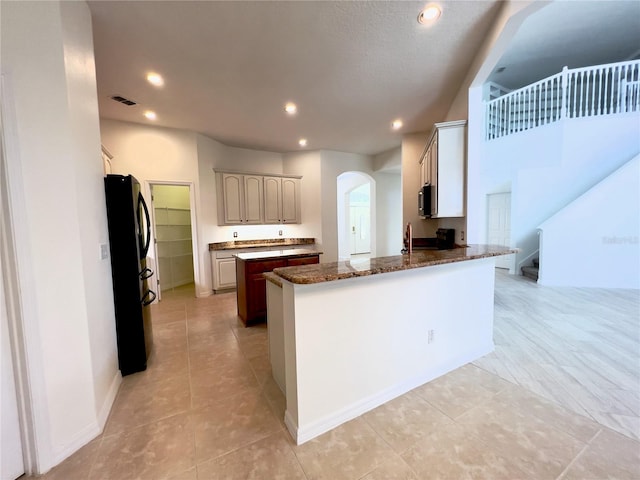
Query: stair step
(530, 272)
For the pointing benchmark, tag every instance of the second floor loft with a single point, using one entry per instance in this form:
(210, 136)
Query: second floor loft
(573, 93)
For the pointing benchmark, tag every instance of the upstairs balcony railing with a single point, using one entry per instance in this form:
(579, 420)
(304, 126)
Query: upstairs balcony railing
(573, 93)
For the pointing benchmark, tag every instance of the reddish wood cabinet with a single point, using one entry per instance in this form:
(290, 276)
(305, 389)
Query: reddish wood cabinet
(251, 285)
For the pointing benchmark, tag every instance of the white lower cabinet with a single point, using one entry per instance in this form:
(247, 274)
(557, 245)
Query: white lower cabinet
(226, 269)
(223, 267)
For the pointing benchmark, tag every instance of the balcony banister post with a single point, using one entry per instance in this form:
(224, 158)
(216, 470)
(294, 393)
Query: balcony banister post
(564, 88)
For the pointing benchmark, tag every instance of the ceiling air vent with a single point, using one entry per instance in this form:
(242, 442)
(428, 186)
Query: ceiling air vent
(126, 101)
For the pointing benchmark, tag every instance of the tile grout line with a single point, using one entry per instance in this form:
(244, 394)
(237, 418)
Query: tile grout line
(364, 417)
(578, 455)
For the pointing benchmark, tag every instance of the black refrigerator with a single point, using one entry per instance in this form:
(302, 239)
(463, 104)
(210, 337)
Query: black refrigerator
(129, 239)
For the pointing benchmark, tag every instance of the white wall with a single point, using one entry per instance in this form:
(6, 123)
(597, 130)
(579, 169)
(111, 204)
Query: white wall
(390, 231)
(388, 176)
(593, 242)
(389, 161)
(554, 165)
(57, 194)
(154, 154)
(308, 165)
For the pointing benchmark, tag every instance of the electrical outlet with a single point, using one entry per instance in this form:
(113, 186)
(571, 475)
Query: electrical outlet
(461, 234)
(104, 251)
(430, 336)
(235, 234)
(280, 232)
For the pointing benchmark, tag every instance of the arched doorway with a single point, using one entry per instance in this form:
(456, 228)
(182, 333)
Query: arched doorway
(356, 215)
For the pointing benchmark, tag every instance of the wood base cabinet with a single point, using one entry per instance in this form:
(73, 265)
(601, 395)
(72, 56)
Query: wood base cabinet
(251, 284)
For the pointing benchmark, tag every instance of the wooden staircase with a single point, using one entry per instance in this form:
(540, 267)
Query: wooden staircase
(531, 271)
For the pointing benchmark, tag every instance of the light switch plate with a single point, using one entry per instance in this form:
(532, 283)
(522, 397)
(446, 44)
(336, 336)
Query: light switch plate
(104, 251)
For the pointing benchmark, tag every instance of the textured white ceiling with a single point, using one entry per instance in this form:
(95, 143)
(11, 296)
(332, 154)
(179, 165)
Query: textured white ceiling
(573, 34)
(229, 67)
(351, 66)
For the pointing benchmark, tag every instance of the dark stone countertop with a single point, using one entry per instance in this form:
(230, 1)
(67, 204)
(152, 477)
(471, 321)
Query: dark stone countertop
(274, 242)
(327, 272)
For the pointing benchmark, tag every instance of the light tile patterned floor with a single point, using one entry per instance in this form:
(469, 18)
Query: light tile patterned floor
(577, 347)
(207, 407)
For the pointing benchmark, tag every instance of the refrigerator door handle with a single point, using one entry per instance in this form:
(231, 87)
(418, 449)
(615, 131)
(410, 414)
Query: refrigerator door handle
(145, 249)
(148, 298)
(146, 273)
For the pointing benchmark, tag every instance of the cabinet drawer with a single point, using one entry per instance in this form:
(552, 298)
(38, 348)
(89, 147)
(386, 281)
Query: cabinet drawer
(265, 266)
(303, 260)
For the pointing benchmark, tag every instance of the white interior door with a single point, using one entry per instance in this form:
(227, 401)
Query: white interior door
(360, 230)
(499, 231)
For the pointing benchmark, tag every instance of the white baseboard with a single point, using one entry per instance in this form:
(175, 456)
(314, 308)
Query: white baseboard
(80, 439)
(103, 414)
(304, 433)
(92, 430)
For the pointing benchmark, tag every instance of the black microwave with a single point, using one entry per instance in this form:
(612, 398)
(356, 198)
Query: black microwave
(424, 201)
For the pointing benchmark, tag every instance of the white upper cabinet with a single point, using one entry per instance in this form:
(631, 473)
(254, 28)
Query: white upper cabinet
(291, 200)
(272, 200)
(443, 166)
(253, 199)
(281, 200)
(245, 199)
(240, 199)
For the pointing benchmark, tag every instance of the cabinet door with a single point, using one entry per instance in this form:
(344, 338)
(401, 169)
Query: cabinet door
(253, 201)
(433, 175)
(451, 159)
(291, 200)
(233, 201)
(226, 272)
(272, 200)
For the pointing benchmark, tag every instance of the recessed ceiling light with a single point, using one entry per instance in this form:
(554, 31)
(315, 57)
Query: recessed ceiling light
(396, 124)
(429, 14)
(290, 108)
(302, 142)
(155, 79)
(151, 115)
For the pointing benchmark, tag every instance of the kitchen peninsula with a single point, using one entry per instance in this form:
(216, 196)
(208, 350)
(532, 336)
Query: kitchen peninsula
(346, 337)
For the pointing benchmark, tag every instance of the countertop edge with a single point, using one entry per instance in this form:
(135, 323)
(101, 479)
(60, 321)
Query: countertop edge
(273, 278)
(275, 254)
